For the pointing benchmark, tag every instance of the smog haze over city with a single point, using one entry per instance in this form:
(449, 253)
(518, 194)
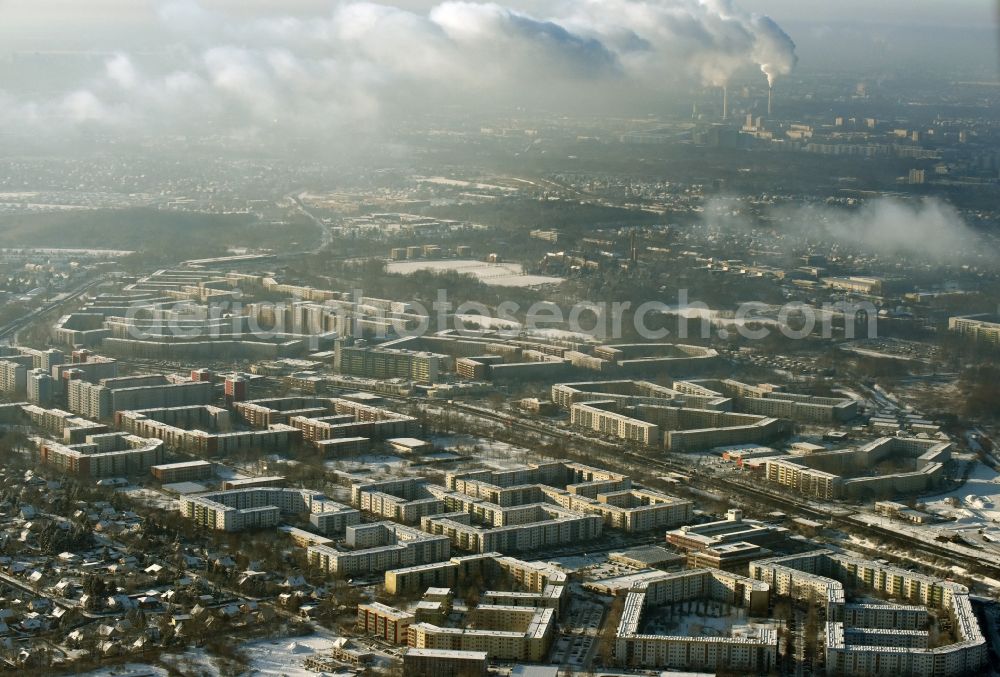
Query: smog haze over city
(522, 338)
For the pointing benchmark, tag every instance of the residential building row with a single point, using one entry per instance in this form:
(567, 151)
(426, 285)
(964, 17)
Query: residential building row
(204, 430)
(626, 393)
(675, 428)
(984, 328)
(103, 455)
(517, 624)
(377, 547)
(745, 652)
(99, 401)
(847, 473)
(876, 639)
(550, 526)
(767, 399)
(263, 507)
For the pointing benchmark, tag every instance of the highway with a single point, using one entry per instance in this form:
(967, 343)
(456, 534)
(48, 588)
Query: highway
(325, 234)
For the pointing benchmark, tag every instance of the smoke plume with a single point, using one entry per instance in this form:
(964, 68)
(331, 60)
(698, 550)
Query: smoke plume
(930, 229)
(773, 50)
(927, 230)
(310, 73)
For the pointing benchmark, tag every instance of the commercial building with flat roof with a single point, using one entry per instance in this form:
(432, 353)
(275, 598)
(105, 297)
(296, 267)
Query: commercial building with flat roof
(650, 556)
(733, 529)
(727, 556)
(186, 471)
(254, 482)
(728, 544)
(645, 358)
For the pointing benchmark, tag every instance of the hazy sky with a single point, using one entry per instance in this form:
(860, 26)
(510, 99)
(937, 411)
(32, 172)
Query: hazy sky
(41, 14)
(50, 24)
(302, 66)
(925, 12)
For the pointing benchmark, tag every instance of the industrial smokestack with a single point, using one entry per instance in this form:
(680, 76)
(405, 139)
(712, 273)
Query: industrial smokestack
(725, 102)
(770, 99)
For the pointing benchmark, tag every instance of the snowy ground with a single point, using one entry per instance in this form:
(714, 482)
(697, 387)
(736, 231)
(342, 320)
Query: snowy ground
(499, 455)
(440, 456)
(281, 657)
(978, 501)
(494, 274)
(577, 562)
(151, 497)
(368, 463)
(759, 314)
(486, 322)
(457, 183)
(496, 454)
(562, 334)
(700, 618)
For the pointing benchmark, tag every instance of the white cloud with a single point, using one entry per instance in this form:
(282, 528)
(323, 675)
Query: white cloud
(317, 72)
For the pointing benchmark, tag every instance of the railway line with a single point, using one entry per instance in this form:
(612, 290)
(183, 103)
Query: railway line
(11, 329)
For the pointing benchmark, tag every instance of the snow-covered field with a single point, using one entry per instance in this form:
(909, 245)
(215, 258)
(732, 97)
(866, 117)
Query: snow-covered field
(368, 463)
(499, 455)
(759, 314)
(489, 452)
(486, 322)
(577, 562)
(494, 274)
(151, 497)
(282, 657)
(702, 618)
(267, 658)
(977, 501)
(458, 183)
